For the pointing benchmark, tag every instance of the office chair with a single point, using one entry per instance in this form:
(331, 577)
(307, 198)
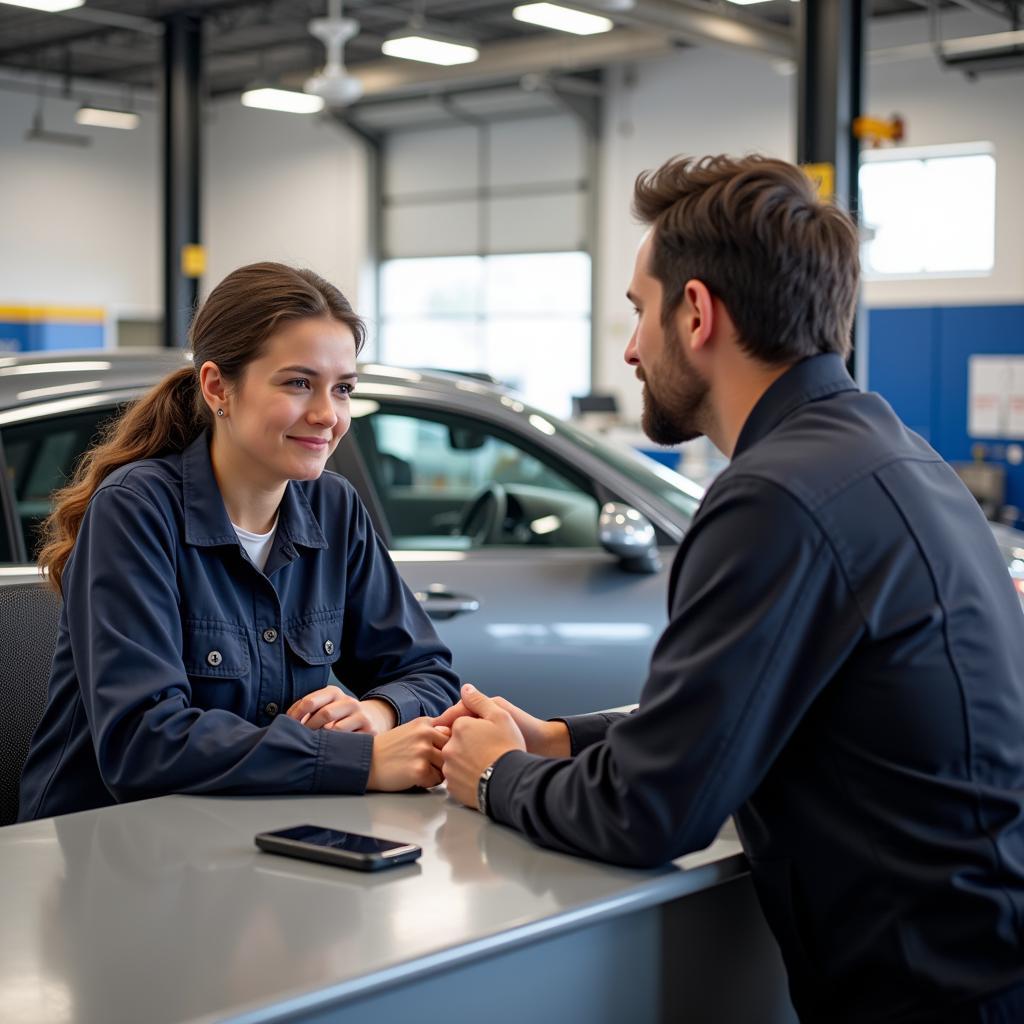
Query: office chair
(29, 615)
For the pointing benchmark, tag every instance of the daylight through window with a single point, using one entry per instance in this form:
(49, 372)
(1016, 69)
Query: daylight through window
(524, 319)
(928, 215)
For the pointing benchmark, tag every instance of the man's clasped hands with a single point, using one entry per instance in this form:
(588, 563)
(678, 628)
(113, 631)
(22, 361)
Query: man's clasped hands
(455, 747)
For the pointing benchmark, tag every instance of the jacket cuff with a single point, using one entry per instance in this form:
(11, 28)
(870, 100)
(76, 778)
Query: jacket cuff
(508, 770)
(342, 762)
(585, 730)
(401, 697)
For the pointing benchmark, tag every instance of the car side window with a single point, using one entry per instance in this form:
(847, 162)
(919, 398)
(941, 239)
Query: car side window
(41, 456)
(450, 482)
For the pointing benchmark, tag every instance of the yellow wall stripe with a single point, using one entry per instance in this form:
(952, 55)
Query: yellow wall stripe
(52, 314)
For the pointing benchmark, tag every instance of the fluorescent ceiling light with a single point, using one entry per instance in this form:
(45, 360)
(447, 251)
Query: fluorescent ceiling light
(418, 44)
(747, 3)
(283, 99)
(50, 6)
(104, 117)
(564, 19)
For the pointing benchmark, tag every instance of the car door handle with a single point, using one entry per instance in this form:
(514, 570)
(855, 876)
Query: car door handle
(440, 604)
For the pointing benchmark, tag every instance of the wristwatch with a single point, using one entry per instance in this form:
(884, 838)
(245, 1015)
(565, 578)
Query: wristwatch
(481, 788)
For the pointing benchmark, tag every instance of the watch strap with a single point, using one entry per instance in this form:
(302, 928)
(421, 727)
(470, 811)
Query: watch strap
(481, 788)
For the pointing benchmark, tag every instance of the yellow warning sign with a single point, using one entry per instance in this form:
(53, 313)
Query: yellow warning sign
(823, 178)
(876, 130)
(193, 260)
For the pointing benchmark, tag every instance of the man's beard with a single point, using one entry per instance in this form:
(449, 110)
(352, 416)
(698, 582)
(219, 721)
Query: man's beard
(679, 412)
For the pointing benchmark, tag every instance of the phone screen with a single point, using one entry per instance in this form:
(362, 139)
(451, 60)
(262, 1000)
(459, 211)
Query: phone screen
(353, 842)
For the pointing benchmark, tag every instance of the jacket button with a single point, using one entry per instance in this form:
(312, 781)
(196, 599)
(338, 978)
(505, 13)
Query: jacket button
(271, 709)
(214, 658)
(270, 635)
(328, 647)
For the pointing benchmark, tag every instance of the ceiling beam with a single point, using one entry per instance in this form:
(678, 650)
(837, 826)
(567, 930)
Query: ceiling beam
(703, 27)
(506, 61)
(115, 19)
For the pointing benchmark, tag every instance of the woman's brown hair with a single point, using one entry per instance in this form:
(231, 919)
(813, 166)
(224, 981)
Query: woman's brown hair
(230, 329)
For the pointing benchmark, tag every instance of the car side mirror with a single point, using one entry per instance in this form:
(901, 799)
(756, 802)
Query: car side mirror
(630, 536)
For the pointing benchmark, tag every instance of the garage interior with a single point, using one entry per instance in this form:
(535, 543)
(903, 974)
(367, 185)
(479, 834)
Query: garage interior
(477, 216)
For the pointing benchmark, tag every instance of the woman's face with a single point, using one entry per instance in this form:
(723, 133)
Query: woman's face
(290, 408)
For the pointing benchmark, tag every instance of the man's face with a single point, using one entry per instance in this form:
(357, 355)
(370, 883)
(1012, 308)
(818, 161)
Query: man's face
(675, 394)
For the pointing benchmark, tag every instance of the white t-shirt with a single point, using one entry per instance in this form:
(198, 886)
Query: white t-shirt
(257, 545)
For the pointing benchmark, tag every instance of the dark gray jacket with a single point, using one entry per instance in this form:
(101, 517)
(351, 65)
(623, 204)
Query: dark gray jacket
(843, 670)
(177, 657)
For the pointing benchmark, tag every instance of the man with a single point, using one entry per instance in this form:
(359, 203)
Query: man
(843, 669)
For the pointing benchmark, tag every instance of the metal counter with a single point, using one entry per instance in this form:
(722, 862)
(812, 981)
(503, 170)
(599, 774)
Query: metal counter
(164, 911)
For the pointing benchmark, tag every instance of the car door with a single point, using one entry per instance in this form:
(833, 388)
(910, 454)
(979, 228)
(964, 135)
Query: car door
(498, 538)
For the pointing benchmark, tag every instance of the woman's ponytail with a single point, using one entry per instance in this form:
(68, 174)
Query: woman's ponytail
(168, 419)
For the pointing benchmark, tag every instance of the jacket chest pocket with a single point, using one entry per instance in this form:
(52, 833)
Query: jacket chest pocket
(216, 657)
(312, 648)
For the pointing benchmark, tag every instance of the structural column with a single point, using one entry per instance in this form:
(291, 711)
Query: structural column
(829, 86)
(829, 93)
(183, 254)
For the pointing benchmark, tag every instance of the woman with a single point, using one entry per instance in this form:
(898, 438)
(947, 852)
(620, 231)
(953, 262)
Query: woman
(213, 575)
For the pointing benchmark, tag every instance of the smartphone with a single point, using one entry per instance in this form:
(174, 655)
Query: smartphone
(345, 849)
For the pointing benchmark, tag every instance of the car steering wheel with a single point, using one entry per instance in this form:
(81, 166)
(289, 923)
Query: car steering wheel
(484, 515)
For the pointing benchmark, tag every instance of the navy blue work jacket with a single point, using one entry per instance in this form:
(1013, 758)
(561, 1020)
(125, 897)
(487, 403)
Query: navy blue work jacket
(843, 670)
(177, 657)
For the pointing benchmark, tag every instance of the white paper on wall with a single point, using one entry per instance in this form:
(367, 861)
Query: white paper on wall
(1015, 400)
(988, 389)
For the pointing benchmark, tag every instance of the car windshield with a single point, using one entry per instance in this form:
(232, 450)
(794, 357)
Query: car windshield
(681, 493)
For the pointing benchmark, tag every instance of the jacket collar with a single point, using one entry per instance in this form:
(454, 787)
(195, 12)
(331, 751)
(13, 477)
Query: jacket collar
(807, 381)
(206, 519)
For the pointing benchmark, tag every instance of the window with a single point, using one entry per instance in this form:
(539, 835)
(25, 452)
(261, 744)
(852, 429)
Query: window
(929, 212)
(524, 319)
(449, 482)
(41, 457)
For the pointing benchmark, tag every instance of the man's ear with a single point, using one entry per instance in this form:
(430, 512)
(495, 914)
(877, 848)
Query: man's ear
(695, 315)
(213, 385)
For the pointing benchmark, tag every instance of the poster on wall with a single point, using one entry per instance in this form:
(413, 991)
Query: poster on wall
(1015, 401)
(986, 396)
(995, 396)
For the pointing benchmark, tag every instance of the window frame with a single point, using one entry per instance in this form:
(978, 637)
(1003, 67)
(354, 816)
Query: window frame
(14, 535)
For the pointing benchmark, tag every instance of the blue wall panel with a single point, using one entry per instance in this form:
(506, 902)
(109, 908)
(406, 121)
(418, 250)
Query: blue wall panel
(900, 365)
(47, 336)
(963, 332)
(918, 359)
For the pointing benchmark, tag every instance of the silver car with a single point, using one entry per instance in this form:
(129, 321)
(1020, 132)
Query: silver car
(539, 551)
(491, 509)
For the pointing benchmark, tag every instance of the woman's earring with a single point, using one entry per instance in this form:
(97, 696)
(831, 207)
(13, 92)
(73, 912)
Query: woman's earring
(220, 412)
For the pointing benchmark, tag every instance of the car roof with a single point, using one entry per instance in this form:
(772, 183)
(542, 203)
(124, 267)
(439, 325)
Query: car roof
(30, 377)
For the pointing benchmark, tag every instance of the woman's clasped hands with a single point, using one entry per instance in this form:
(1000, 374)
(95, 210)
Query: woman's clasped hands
(411, 755)
(332, 708)
(403, 756)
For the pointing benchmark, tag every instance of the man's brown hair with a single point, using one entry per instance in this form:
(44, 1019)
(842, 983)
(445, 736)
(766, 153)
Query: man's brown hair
(785, 263)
